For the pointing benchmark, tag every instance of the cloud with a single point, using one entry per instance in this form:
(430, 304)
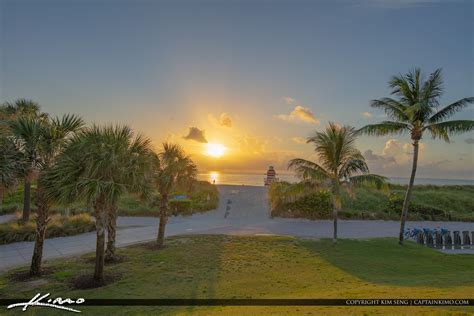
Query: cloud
(196, 134)
(289, 100)
(299, 140)
(469, 141)
(366, 114)
(251, 145)
(225, 120)
(370, 156)
(396, 158)
(392, 147)
(299, 113)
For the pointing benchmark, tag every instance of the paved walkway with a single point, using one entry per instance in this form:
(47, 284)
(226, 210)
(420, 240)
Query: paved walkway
(6, 218)
(246, 214)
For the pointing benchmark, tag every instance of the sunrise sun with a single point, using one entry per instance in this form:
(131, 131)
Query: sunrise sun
(215, 150)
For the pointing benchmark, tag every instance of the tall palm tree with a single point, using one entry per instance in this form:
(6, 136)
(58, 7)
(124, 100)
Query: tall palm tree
(53, 136)
(11, 166)
(415, 110)
(341, 165)
(27, 132)
(21, 119)
(100, 165)
(172, 168)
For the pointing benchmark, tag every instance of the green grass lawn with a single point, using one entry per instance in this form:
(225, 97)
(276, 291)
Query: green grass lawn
(264, 267)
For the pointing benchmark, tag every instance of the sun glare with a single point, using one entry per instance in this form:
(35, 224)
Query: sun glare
(215, 150)
(214, 177)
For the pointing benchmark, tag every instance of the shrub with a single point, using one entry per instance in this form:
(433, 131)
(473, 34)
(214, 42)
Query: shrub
(9, 209)
(319, 202)
(58, 226)
(395, 204)
(181, 207)
(204, 196)
(315, 205)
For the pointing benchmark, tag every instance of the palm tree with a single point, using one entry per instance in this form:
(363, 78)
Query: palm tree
(172, 168)
(22, 119)
(99, 165)
(22, 107)
(11, 166)
(415, 110)
(53, 136)
(27, 132)
(341, 165)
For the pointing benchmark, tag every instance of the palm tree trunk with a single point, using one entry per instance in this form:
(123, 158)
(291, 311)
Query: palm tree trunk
(100, 224)
(26, 200)
(163, 218)
(41, 222)
(406, 202)
(111, 232)
(335, 210)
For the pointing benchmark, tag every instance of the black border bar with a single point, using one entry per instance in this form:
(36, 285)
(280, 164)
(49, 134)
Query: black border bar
(264, 302)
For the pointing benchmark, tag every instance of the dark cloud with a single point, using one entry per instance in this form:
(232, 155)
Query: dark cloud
(196, 134)
(225, 120)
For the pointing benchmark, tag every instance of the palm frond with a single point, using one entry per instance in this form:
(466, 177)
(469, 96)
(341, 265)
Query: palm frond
(308, 170)
(101, 163)
(11, 163)
(401, 88)
(284, 192)
(353, 166)
(385, 128)
(443, 129)
(173, 168)
(393, 108)
(432, 88)
(450, 110)
(369, 179)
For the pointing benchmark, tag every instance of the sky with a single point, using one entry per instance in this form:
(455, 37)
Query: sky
(253, 78)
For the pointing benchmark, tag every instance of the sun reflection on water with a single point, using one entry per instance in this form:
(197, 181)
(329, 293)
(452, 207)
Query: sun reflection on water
(214, 177)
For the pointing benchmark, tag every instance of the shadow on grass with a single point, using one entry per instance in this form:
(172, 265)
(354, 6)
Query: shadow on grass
(187, 267)
(383, 261)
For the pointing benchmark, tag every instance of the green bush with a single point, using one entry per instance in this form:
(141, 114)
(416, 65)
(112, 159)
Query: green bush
(9, 209)
(58, 226)
(429, 202)
(395, 205)
(315, 205)
(181, 207)
(202, 196)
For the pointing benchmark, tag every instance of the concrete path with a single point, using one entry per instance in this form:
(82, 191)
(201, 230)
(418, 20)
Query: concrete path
(243, 210)
(6, 218)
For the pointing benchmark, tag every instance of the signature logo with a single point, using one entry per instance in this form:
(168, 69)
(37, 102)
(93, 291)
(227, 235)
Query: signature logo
(44, 301)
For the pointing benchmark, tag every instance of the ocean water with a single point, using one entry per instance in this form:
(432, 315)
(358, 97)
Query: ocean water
(257, 179)
(240, 179)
